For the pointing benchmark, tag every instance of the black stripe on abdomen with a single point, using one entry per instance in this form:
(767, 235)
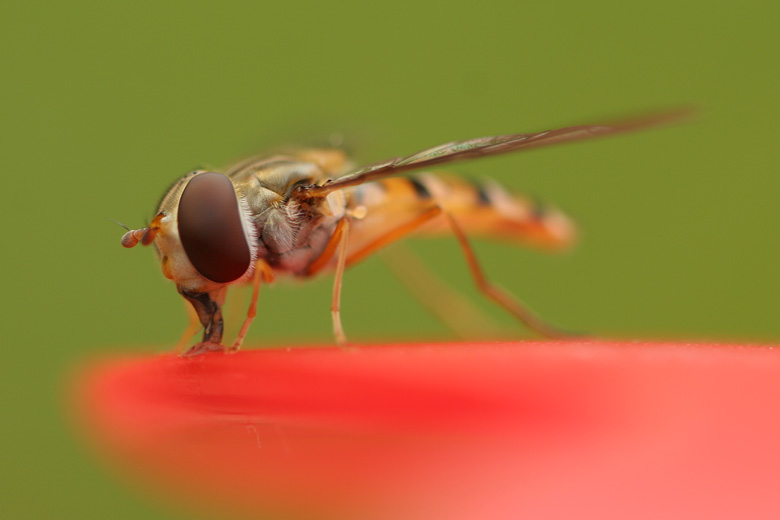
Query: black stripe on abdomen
(483, 199)
(419, 188)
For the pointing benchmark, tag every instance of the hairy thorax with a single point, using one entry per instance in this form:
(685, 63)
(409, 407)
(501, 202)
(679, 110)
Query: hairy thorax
(291, 233)
(290, 238)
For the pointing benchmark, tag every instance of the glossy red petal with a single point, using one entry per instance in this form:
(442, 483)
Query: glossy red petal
(491, 431)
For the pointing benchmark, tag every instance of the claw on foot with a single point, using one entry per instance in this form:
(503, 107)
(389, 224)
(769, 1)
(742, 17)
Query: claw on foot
(202, 348)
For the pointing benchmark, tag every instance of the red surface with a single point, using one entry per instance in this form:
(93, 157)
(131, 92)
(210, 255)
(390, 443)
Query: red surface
(491, 431)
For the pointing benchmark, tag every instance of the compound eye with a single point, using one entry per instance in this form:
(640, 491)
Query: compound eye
(211, 230)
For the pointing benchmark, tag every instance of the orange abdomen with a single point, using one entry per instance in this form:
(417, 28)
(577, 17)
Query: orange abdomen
(482, 208)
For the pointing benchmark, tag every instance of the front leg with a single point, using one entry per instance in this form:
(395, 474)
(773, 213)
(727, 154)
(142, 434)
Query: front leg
(208, 306)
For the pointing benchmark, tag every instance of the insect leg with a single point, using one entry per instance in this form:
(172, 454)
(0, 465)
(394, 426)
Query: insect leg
(451, 307)
(512, 305)
(192, 327)
(384, 240)
(339, 240)
(208, 306)
(395, 234)
(262, 273)
(335, 305)
(330, 249)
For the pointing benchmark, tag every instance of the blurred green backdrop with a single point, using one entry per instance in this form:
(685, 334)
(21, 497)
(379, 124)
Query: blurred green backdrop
(104, 104)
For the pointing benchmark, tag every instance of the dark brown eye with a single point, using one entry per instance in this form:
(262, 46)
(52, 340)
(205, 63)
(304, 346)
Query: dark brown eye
(210, 228)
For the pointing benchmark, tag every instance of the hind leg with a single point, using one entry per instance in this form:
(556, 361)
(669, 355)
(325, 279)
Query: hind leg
(499, 296)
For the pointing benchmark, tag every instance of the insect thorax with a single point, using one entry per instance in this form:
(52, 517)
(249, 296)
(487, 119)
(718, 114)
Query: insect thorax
(290, 234)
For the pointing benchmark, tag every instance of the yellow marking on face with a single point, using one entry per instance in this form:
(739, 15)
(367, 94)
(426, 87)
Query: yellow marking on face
(166, 268)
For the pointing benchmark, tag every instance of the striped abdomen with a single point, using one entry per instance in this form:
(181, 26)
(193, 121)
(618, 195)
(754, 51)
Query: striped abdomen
(482, 208)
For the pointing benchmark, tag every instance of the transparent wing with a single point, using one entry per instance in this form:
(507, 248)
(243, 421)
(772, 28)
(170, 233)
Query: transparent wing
(484, 146)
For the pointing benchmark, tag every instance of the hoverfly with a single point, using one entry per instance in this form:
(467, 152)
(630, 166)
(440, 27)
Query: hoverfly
(308, 212)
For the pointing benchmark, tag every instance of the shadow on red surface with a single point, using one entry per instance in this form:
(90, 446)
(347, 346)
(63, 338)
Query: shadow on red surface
(459, 431)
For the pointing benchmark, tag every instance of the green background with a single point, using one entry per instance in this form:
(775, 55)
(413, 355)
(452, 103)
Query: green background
(104, 104)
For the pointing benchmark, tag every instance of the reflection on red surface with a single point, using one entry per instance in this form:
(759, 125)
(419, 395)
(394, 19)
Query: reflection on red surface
(490, 431)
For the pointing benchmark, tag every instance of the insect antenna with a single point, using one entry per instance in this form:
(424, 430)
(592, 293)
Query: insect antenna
(119, 223)
(145, 235)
